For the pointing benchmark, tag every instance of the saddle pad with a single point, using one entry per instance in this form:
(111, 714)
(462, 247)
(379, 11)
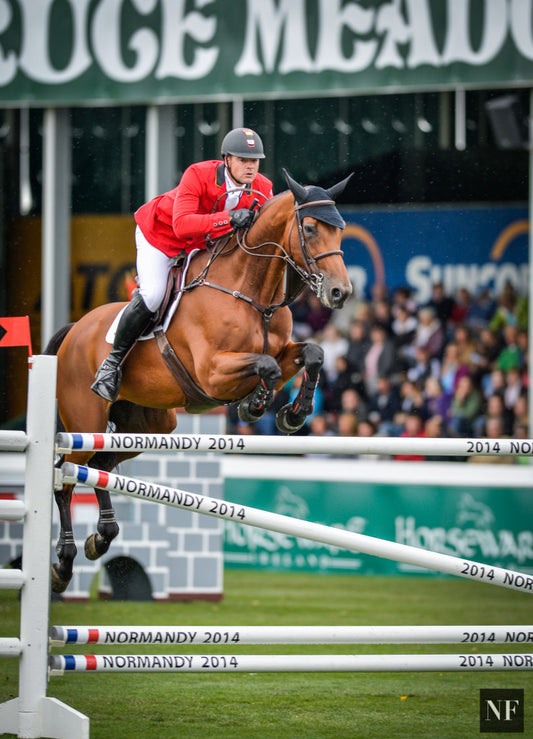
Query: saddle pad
(110, 335)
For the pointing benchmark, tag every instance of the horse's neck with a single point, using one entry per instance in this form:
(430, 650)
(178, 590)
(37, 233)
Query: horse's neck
(258, 273)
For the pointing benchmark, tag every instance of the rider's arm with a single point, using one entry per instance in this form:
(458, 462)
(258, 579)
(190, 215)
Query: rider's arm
(188, 220)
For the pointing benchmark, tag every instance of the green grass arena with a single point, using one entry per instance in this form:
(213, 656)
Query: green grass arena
(272, 706)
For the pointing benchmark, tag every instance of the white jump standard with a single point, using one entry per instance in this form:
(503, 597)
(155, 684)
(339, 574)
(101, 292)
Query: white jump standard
(349, 540)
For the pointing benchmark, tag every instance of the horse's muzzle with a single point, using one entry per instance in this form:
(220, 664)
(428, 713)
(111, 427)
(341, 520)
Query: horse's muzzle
(334, 294)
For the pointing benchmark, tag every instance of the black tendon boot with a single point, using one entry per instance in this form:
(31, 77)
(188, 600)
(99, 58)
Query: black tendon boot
(135, 319)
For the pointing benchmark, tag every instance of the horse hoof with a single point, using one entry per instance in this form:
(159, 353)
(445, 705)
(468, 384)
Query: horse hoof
(246, 414)
(95, 546)
(288, 422)
(59, 584)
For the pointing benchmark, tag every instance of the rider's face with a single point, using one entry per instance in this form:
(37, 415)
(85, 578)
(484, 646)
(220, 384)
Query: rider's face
(243, 170)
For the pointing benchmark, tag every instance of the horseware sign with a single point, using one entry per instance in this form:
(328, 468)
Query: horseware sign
(131, 51)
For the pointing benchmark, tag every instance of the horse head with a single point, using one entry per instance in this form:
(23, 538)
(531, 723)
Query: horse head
(319, 229)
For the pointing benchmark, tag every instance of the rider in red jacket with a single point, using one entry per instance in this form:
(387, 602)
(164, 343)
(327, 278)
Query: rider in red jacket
(211, 200)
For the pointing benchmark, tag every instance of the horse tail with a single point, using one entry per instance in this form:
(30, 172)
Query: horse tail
(57, 339)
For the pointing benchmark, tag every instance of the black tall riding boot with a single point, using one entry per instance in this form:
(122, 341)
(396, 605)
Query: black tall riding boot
(135, 319)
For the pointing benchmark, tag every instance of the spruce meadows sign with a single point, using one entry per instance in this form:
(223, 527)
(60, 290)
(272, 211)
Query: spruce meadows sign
(73, 51)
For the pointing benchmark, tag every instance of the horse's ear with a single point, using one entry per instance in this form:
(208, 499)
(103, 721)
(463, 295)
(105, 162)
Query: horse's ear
(337, 189)
(299, 191)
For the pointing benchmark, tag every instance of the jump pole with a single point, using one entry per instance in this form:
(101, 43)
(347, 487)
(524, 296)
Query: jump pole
(242, 635)
(73, 473)
(188, 663)
(230, 444)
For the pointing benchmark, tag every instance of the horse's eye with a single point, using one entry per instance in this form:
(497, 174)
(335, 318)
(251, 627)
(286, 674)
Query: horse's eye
(309, 229)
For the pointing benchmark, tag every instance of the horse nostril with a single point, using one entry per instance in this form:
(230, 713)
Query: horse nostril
(337, 296)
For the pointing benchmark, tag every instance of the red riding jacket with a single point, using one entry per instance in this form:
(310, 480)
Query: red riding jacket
(183, 217)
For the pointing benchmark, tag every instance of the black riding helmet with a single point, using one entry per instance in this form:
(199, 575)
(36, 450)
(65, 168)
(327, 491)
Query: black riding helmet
(244, 143)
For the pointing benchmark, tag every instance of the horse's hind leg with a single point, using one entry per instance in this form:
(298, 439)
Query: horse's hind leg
(292, 416)
(66, 548)
(107, 528)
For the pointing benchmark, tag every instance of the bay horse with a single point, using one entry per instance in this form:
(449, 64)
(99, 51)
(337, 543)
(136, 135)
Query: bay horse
(232, 332)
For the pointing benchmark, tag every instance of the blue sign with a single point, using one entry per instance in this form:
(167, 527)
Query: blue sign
(473, 247)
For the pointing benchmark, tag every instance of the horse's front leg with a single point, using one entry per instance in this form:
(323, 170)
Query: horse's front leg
(257, 402)
(66, 548)
(292, 416)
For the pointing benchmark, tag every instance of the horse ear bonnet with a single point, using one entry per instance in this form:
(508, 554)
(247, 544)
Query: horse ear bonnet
(324, 213)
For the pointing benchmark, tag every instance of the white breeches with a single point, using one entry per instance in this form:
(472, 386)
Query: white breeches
(152, 268)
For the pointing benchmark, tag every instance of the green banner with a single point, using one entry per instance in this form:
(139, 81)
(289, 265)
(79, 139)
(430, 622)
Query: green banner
(493, 526)
(140, 51)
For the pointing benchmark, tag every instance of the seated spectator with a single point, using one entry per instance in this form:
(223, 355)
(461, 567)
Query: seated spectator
(358, 346)
(403, 297)
(383, 315)
(423, 367)
(461, 307)
(495, 407)
(513, 387)
(493, 382)
(351, 401)
(380, 358)
(481, 310)
(451, 368)
(489, 346)
(383, 405)
(411, 397)
(403, 333)
(346, 379)
(413, 429)
(466, 347)
(511, 354)
(520, 414)
(435, 428)
(334, 345)
(429, 333)
(436, 401)
(441, 303)
(466, 406)
(347, 424)
(505, 315)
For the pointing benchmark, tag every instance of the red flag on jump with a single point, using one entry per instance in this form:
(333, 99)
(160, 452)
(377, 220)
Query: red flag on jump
(15, 332)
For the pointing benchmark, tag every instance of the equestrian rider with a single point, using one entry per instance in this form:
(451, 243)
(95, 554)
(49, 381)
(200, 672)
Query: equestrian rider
(184, 219)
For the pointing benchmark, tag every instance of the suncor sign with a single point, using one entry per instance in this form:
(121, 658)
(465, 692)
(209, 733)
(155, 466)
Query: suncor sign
(474, 247)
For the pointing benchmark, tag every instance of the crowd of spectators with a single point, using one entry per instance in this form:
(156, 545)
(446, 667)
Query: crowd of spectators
(456, 366)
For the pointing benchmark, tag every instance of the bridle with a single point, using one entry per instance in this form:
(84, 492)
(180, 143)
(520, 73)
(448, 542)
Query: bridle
(313, 278)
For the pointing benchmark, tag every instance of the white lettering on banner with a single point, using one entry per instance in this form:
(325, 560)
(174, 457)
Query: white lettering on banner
(334, 22)
(468, 543)
(176, 26)
(38, 36)
(396, 32)
(521, 27)
(458, 46)
(421, 273)
(107, 41)
(277, 37)
(272, 25)
(8, 62)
